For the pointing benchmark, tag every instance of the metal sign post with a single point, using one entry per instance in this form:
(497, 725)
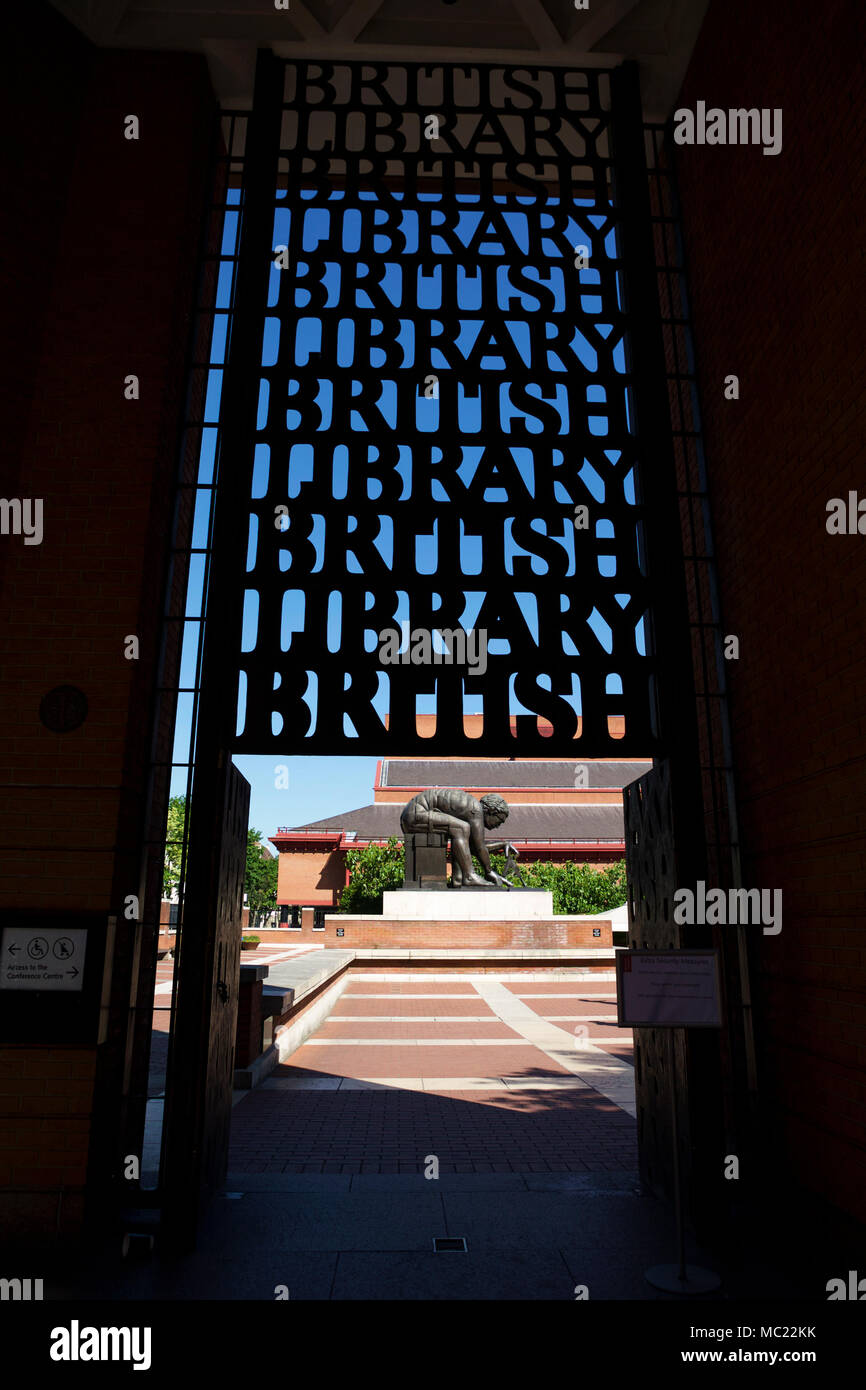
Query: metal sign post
(672, 989)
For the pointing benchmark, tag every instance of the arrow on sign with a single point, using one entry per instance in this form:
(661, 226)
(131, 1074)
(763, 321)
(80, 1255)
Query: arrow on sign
(73, 971)
(13, 949)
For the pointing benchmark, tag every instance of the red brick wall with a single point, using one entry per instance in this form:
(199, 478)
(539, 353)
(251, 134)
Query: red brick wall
(101, 275)
(776, 272)
(376, 931)
(127, 239)
(46, 1095)
(316, 876)
(37, 165)
(518, 796)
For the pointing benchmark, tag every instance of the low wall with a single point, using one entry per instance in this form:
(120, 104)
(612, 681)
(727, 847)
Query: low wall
(379, 931)
(295, 1007)
(540, 933)
(283, 937)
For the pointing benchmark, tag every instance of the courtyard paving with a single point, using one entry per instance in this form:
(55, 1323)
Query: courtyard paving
(521, 1090)
(482, 1074)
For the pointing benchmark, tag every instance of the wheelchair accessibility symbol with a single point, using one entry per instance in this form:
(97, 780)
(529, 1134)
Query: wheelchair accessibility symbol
(49, 959)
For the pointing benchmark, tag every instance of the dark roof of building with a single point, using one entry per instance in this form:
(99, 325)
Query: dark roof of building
(531, 821)
(462, 772)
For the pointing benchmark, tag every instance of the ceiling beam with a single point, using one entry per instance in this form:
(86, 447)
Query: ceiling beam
(538, 22)
(602, 18)
(418, 53)
(231, 31)
(304, 22)
(112, 12)
(354, 19)
(98, 19)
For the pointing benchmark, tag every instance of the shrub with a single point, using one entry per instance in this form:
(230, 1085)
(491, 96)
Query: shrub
(576, 888)
(373, 870)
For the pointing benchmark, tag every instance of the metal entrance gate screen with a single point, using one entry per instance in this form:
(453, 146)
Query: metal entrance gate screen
(444, 503)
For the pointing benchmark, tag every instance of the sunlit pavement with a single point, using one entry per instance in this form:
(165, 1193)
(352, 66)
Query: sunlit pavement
(491, 1108)
(466, 1074)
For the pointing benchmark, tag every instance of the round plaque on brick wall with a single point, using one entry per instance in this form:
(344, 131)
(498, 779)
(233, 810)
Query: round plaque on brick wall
(63, 709)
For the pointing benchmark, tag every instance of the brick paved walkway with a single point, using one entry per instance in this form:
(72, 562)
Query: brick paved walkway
(488, 1074)
(267, 954)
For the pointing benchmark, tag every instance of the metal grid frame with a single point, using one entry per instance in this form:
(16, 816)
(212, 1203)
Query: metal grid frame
(178, 691)
(274, 683)
(718, 785)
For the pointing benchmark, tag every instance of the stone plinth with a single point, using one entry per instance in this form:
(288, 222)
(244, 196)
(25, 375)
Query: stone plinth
(467, 905)
(426, 859)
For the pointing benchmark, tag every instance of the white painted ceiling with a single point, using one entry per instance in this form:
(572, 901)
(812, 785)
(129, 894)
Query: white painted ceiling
(660, 34)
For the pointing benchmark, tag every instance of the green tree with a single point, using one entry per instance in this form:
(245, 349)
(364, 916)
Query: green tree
(260, 879)
(173, 844)
(372, 870)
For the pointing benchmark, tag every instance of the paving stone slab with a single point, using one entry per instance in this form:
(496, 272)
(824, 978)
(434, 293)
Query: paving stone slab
(473, 1276)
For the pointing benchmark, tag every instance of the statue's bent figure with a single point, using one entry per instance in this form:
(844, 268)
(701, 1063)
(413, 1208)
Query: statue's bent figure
(453, 812)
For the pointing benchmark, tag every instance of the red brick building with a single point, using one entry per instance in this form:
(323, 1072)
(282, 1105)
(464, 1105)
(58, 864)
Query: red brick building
(559, 811)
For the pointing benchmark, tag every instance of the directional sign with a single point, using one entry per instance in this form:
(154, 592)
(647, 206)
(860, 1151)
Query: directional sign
(42, 958)
(668, 989)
